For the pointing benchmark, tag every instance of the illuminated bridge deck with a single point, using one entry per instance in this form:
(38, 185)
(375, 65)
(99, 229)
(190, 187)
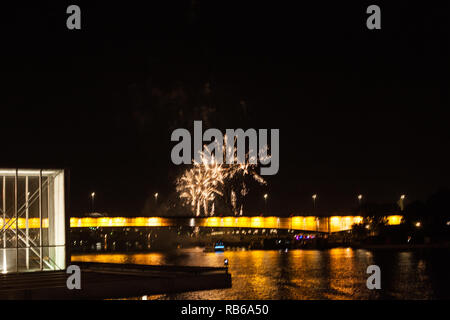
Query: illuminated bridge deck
(303, 223)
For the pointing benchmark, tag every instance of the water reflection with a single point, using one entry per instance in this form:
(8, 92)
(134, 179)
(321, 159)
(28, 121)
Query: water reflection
(298, 274)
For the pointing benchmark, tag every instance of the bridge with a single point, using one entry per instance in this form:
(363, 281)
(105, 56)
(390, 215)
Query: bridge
(301, 223)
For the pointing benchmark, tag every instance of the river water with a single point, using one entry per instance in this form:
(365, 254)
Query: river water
(306, 274)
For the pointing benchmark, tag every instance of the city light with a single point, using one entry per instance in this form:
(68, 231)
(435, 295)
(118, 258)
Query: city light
(93, 201)
(394, 219)
(360, 196)
(401, 202)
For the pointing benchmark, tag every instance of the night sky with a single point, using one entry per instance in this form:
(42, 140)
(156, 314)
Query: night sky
(359, 111)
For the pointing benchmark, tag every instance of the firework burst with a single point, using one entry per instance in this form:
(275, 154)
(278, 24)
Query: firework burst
(199, 186)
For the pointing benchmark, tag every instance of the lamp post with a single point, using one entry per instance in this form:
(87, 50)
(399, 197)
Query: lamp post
(402, 198)
(92, 199)
(359, 199)
(265, 201)
(225, 263)
(314, 197)
(156, 198)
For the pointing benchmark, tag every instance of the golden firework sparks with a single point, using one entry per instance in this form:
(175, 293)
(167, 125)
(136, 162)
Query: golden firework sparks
(199, 186)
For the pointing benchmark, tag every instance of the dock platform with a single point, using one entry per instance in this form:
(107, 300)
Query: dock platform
(109, 281)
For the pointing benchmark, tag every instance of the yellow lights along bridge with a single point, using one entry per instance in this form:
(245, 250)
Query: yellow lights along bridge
(305, 223)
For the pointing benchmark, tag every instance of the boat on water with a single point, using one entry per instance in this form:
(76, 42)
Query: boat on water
(218, 247)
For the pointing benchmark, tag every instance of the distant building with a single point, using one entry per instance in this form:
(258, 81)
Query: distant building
(33, 220)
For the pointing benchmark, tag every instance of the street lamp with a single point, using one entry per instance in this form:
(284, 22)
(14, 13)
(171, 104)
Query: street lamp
(225, 263)
(265, 200)
(360, 196)
(93, 198)
(402, 198)
(156, 198)
(314, 196)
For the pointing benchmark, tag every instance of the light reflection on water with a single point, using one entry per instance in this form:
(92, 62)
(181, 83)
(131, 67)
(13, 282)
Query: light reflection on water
(297, 274)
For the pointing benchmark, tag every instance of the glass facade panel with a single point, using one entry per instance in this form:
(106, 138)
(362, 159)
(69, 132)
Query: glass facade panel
(32, 216)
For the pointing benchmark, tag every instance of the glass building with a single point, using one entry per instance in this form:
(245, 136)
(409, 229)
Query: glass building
(33, 221)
